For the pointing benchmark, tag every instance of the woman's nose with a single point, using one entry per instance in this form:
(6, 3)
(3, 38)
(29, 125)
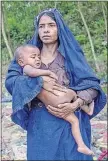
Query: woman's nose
(46, 29)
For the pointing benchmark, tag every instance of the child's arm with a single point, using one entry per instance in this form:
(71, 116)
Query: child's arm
(33, 72)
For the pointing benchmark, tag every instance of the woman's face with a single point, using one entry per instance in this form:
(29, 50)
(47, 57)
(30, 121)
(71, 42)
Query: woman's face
(47, 30)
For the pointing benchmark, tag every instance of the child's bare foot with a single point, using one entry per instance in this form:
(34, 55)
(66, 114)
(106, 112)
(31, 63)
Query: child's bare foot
(84, 149)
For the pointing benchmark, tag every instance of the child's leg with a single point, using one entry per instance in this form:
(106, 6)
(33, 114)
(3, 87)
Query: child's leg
(88, 108)
(82, 148)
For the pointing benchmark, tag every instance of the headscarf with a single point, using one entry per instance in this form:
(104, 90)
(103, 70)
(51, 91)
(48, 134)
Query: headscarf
(75, 60)
(80, 73)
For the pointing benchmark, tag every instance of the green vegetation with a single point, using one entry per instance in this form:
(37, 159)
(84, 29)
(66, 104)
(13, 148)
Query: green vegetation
(87, 21)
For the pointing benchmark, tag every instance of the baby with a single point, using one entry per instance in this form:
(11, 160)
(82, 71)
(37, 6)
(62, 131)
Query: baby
(29, 58)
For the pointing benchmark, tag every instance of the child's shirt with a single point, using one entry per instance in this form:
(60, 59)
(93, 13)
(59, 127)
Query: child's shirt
(57, 66)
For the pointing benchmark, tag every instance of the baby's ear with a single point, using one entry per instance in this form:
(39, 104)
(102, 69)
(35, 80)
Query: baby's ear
(20, 62)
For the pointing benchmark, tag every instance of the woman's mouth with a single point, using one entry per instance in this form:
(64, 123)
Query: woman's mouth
(46, 36)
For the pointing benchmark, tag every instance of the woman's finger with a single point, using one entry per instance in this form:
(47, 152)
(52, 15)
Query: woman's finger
(51, 108)
(54, 109)
(62, 105)
(59, 88)
(59, 113)
(58, 110)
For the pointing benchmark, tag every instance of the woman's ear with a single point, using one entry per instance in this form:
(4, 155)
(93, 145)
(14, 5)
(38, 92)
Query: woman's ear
(21, 62)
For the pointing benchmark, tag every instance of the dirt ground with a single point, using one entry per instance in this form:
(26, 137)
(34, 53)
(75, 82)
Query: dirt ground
(14, 137)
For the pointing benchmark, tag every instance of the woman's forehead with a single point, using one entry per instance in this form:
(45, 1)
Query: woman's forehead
(46, 19)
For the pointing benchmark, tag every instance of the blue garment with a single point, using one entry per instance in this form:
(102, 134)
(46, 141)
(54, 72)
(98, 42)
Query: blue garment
(49, 137)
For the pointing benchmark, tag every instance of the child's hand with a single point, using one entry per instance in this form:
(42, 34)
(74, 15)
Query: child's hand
(48, 79)
(53, 75)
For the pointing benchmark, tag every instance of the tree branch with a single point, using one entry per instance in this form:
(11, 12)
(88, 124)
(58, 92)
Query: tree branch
(89, 36)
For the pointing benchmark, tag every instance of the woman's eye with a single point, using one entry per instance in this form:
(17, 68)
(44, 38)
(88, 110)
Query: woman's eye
(40, 26)
(52, 25)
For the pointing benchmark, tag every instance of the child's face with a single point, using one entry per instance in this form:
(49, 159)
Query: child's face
(32, 57)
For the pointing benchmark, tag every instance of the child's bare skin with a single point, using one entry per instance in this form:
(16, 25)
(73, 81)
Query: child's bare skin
(54, 100)
(49, 98)
(82, 148)
(29, 58)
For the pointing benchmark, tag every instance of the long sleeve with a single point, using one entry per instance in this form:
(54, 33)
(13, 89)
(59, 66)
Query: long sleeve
(99, 101)
(88, 95)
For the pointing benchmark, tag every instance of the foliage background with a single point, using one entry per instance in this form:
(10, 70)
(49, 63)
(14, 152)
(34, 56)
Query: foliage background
(18, 19)
(18, 27)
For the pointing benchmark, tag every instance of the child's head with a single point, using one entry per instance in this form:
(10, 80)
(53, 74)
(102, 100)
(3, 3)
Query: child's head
(28, 55)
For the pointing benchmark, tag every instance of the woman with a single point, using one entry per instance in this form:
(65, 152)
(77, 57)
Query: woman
(48, 135)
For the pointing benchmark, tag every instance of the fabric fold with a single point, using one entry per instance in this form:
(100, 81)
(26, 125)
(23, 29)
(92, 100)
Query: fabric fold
(23, 90)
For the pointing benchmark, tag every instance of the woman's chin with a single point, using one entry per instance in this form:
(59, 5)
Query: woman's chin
(49, 41)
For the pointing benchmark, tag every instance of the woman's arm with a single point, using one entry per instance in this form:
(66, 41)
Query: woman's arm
(65, 108)
(87, 95)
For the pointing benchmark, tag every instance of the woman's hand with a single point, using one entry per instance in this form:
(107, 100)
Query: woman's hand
(63, 109)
